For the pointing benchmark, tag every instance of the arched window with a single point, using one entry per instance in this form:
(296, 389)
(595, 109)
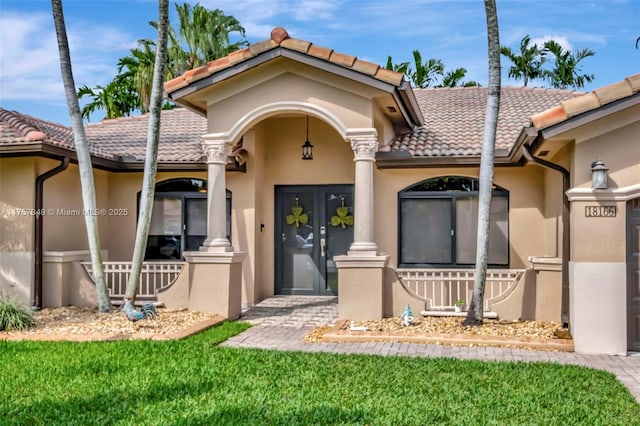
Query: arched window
(438, 224)
(179, 218)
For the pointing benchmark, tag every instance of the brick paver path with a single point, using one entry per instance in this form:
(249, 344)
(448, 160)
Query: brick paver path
(281, 322)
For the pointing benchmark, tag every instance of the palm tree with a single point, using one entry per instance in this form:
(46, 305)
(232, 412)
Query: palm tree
(151, 159)
(402, 67)
(203, 35)
(527, 65)
(84, 157)
(454, 78)
(567, 71)
(426, 74)
(117, 98)
(476, 308)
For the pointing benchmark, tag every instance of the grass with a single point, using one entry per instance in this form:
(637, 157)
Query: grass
(195, 381)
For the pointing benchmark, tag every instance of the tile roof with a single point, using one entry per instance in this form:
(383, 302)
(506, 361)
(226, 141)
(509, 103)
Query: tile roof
(180, 135)
(454, 119)
(588, 102)
(280, 38)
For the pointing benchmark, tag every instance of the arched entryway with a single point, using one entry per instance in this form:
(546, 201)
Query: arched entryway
(633, 274)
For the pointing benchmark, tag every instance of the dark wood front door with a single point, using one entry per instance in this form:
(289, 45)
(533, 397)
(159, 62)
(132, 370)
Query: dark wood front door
(633, 274)
(313, 224)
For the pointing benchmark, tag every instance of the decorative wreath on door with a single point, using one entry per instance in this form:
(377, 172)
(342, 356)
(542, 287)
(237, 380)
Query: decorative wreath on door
(297, 217)
(342, 217)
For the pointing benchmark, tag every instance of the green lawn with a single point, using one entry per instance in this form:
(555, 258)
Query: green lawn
(194, 382)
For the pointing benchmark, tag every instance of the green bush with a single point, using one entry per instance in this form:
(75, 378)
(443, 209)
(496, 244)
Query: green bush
(14, 315)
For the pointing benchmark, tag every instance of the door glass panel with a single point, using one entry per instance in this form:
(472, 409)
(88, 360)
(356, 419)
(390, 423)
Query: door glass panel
(339, 233)
(299, 268)
(165, 230)
(196, 229)
(426, 230)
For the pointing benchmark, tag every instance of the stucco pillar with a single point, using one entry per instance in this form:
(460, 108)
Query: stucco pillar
(217, 152)
(215, 272)
(364, 143)
(361, 271)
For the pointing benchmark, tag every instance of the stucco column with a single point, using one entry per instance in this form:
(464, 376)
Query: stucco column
(364, 143)
(217, 152)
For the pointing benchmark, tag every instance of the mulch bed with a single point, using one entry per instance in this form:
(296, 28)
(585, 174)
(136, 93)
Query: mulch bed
(539, 335)
(87, 324)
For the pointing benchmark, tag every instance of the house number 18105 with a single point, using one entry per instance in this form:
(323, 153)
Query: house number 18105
(600, 211)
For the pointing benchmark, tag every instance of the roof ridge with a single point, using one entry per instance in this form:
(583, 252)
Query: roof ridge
(280, 38)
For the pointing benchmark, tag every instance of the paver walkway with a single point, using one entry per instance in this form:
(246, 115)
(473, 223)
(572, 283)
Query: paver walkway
(281, 322)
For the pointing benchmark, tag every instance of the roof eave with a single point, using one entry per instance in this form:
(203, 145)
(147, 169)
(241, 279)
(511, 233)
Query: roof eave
(404, 160)
(402, 94)
(589, 116)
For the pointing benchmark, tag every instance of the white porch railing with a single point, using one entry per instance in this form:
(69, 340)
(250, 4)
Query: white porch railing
(440, 288)
(154, 276)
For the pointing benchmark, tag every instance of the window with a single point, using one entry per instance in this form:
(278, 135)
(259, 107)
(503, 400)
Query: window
(438, 224)
(179, 218)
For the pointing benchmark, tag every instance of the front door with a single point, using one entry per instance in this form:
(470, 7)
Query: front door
(633, 274)
(313, 224)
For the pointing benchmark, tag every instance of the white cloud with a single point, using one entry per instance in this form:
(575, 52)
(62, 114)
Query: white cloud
(307, 10)
(561, 40)
(29, 59)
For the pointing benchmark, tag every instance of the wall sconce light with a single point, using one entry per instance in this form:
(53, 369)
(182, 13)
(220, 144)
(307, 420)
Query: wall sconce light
(307, 148)
(599, 175)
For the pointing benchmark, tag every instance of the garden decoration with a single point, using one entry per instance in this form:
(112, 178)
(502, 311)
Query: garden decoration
(342, 218)
(147, 311)
(297, 217)
(407, 316)
(457, 305)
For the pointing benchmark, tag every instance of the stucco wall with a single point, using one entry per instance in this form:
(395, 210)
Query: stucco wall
(348, 100)
(64, 229)
(17, 197)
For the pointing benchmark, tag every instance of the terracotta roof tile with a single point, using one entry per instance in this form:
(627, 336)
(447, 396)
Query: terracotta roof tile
(588, 102)
(280, 38)
(342, 59)
(320, 52)
(180, 135)
(296, 44)
(454, 119)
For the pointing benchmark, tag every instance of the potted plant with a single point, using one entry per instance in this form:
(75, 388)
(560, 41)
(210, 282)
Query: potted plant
(457, 305)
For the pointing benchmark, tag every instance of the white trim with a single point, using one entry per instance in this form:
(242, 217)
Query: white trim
(624, 193)
(214, 257)
(70, 256)
(352, 261)
(267, 110)
(545, 263)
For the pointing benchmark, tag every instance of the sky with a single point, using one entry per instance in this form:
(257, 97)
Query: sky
(102, 31)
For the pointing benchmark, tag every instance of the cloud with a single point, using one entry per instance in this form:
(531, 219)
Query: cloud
(29, 59)
(561, 40)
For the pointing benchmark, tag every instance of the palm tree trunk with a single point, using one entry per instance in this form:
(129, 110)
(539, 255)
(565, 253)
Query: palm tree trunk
(84, 158)
(151, 158)
(476, 308)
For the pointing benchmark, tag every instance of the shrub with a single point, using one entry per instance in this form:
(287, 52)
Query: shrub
(14, 315)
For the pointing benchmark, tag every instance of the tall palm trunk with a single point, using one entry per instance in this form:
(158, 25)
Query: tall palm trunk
(151, 158)
(476, 308)
(84, 158)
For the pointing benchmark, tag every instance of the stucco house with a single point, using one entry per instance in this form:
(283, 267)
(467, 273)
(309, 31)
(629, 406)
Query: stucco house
(295, 169)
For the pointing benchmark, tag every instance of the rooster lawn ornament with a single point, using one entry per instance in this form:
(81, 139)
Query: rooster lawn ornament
(147, 311)
(407, 316)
